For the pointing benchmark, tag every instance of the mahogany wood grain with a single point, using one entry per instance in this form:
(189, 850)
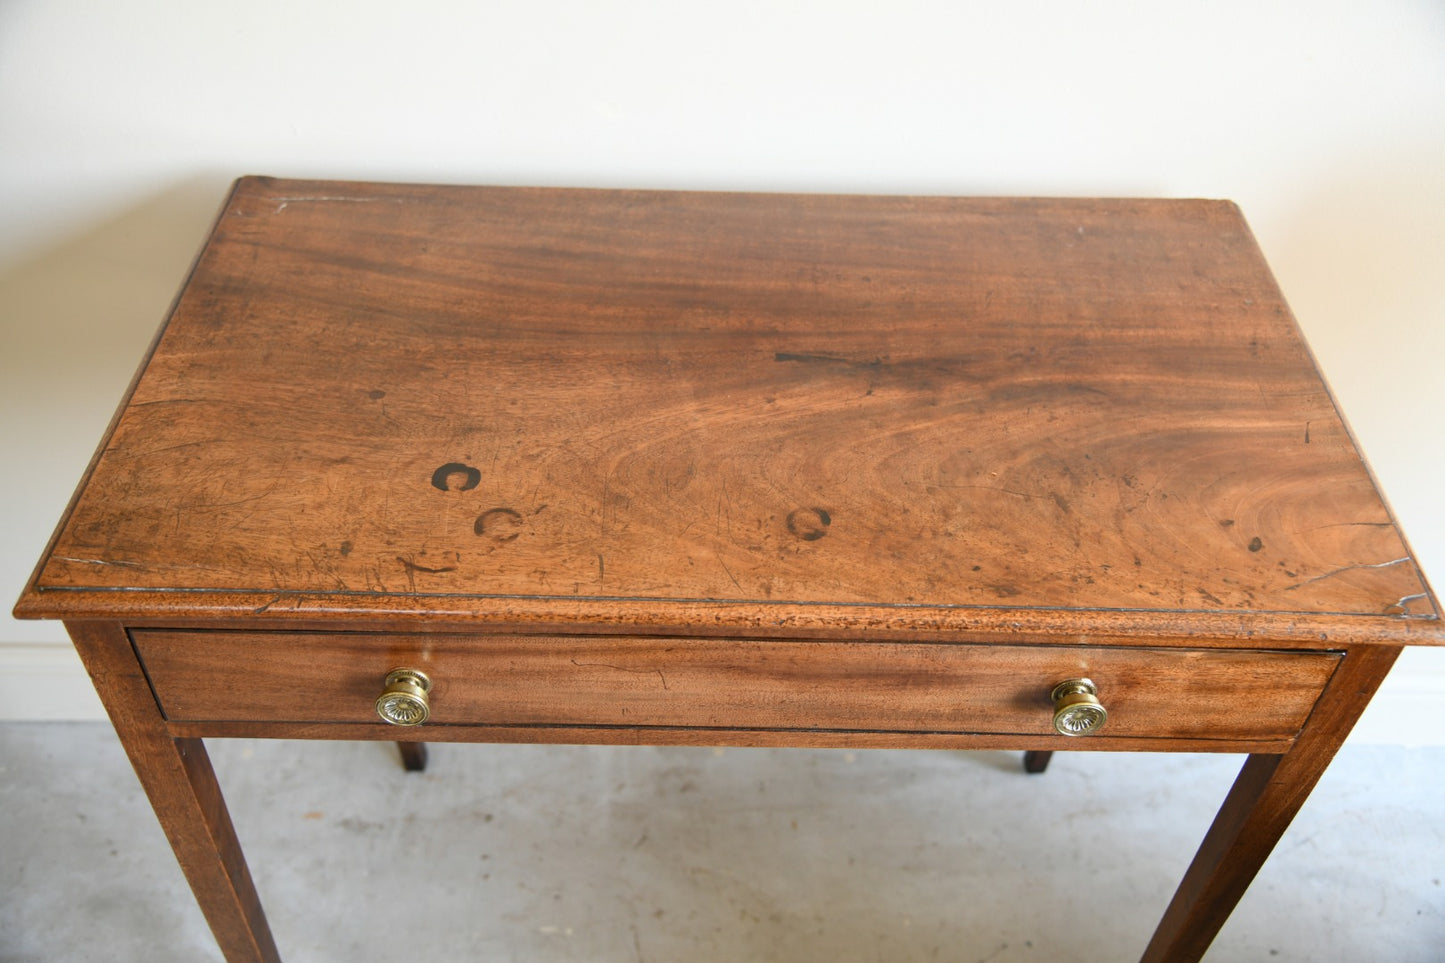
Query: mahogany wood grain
(575, 406)
(582, 681)
(176, 774)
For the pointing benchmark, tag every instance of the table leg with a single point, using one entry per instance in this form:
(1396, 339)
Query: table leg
(1269, 791)
(1037, 760)
(177, 776)
(413, 756)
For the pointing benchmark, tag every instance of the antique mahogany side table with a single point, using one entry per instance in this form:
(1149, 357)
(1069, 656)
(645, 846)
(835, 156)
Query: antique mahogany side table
(511, 465)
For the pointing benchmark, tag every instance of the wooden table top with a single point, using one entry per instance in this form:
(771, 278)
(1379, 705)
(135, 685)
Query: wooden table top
(770, 414)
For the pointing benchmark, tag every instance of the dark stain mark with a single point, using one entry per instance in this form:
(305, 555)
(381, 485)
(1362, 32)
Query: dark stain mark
(442, 478)
(1307, 433)
(413, 567)
(1226, 523)
(1005, 591)
(978, 568)
(1062, 502)
(1209, 595)
(376, 395)
(1138, 562)
(809, 524)
(1255, 544)
(499, 524)
(345, 548)
(601, 567)
(826, 359)
(808, 358)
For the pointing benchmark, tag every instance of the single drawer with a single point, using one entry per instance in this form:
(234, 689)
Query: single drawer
(640, 682)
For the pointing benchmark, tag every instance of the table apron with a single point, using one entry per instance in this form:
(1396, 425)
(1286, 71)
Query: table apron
(511, 688)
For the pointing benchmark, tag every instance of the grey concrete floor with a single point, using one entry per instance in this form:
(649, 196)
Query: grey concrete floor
(529, 853)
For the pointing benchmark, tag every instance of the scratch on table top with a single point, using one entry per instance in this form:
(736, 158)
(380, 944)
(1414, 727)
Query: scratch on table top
(1401, 608)
(1349, 568)
(284, 202)
(98, 561)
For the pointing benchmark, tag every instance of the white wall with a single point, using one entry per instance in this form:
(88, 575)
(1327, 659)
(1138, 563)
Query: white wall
(121, 125)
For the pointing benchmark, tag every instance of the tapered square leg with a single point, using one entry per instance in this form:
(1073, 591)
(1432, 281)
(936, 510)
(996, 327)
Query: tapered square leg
(1264, 800)
(177, 776)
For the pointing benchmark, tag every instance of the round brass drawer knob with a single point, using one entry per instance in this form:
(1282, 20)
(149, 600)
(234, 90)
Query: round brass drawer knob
(1077, 710)
(404, 700)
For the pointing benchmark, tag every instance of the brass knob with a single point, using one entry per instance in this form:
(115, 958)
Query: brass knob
(1077, 710)
(404, 700)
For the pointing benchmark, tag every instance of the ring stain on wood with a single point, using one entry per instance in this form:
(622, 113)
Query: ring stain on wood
(454, 476)
(809, 524)
(499, 524)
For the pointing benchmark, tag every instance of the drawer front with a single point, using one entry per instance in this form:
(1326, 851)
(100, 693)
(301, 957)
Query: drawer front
(511, 681)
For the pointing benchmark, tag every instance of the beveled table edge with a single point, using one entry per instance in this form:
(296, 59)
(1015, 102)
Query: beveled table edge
(653, 616)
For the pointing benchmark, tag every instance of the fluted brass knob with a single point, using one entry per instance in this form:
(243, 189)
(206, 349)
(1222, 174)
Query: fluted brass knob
(1077, 710)
(404, 700)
